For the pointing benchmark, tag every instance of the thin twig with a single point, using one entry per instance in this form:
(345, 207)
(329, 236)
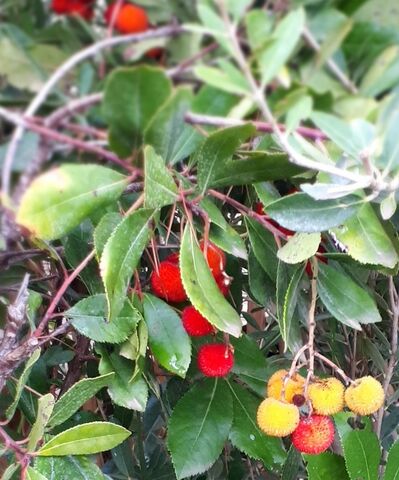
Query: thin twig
(312, 322)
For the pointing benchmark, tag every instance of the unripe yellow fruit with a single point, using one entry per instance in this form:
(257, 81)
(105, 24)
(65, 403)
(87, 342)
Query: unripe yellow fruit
(294, 385)
(277, 418)
(365, 396)
(327, 396)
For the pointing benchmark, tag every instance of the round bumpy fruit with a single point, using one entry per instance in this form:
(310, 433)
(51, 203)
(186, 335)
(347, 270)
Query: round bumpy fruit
(294, 386)
(215, 360)
(224, 284)
(365, 396)
(313, 434)
(277, 418)
(83, 8)
(194, 323)
(129, 19)
(327, 396)
(167, 284)
(215, 257)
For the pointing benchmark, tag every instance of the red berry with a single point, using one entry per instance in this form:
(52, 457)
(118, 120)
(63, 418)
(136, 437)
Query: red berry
(314, 434)
(59, 6)
(216, 258)
(167, 284)
(215, 360)
(194, 323)
(258, 207)
(130, 18)
(154, 53)
(173, 258)
(83, 8)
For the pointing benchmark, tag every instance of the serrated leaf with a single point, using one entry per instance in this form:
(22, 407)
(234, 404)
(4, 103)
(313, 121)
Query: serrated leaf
(301, 213)
(208, 411)
(58, 200)
(291, 465)
(85, 439)
(123, 390)
(121, 255)
(76, 396)
(285, 38)
(202, 289)
(257, 167)
(289, 331)
(69, 468)
(168, 340)
(131, 98)
(392, 466)
(344, 299)
(287, 292)
(172, 138)
(45, 407)
(21, 382)
(159, 186)
(216, 150)
(249, 363)
(245, 434)
(300, 247)
(366, 240)
(326, 466)
(362, 454)
(89, 317)
(263, 246)
(104, 230)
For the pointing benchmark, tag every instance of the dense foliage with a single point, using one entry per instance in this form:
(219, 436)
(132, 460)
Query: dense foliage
(199, 247)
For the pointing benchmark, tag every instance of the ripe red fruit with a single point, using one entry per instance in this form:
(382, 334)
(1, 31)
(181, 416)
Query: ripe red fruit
(314, 434)
(216, 258)
(215, 360)
(224, 284)
(167, 284)
(194, 323)
(154, 53)
(84, 8)
(129, 19)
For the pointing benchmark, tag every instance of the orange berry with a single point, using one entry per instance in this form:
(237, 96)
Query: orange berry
(130, 18)
(215, 257)
(167, 284)
(294, 386)
(313, 434)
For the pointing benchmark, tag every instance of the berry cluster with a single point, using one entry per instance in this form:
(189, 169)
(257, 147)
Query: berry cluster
(279, 414)
(214, 360)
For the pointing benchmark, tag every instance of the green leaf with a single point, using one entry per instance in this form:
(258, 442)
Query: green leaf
(33, 474)
(222, 80)
(286, 304)
(121, 255)
(245, 434)
(85, 439)
(169, 342)
(216, 150)
(104, 230)
(344, 299)
(392, 467)
(366, 240)
(123, 389)
(69, 468)
(199, 427)
(362, 454)
(76, 396)
(326, 466)
(21, 383)
(352, 137)
(250, 363)
(263, 246)
(285, 38)
(159, 186)
(333, 40)
(259, 166)
(202, 289)
(258, 25)
(131, 98)
(89, 317)
(8, 474)
(262, 288)
(292, 465)
(301, 213)
(58, 200)
(300, 247)
(45, 407)
(171, 137)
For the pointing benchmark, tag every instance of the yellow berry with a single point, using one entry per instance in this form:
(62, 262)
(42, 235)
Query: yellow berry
(277, 418)
(294, 385)
(327, 396)
(365, 396)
